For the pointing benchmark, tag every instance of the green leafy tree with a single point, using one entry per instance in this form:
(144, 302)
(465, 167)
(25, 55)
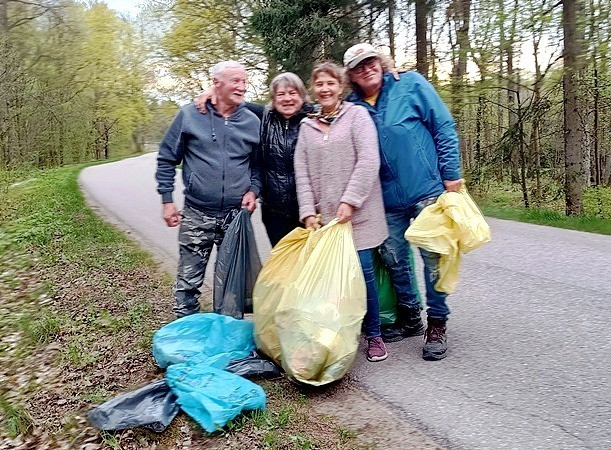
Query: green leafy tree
(202, 33)
(73, 88)
(296, 34)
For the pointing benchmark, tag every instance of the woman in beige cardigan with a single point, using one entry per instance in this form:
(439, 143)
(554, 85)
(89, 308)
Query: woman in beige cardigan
(336, 169)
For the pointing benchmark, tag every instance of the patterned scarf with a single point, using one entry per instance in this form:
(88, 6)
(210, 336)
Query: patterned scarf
(328, 118)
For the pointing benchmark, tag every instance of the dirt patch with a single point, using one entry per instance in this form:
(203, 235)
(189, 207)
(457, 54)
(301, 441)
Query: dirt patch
(375, 424)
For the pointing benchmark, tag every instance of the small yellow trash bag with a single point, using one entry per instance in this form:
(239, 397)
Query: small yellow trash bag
(453, 224)
(282, 268)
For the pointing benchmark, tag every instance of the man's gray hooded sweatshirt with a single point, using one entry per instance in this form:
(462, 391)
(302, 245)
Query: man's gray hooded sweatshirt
(216, 155)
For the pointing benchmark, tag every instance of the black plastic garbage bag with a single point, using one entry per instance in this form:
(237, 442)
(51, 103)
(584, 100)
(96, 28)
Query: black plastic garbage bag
(237, 267)
(152, 406)
(253, 366)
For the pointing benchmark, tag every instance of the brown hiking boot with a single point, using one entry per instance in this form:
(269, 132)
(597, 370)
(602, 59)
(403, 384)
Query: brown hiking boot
(435, 341)
(376, 350)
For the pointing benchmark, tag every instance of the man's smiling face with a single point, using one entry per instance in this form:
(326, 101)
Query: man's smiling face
(230, 86)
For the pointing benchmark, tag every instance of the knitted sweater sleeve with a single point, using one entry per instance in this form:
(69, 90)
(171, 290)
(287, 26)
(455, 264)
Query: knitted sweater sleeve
(366, 170)
(303, 180)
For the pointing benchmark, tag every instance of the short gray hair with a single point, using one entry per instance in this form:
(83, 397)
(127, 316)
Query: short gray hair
(288, 79)
(220, 67)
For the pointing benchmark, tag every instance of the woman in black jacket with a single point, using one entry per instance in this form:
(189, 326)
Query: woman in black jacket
(280, 121)
(279, 129)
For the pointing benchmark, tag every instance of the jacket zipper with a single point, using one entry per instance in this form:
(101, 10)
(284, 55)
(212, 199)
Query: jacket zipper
(224, 168)
(286, 146)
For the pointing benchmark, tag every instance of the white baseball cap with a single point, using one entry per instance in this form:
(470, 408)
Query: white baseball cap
(358, 53)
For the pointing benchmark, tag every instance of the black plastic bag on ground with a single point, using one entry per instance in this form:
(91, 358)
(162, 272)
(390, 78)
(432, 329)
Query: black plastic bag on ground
(254, 366)
(152, 406)
(237, 267)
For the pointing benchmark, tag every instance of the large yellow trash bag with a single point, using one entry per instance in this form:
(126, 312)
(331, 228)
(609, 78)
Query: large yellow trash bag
(321, 312)
(282, 268)
(453, 224)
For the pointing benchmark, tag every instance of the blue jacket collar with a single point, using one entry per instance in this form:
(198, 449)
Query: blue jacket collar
(235, 115)
(387, 81)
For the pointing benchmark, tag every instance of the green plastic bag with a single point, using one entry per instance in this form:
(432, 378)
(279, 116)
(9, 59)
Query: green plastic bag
(386, 291)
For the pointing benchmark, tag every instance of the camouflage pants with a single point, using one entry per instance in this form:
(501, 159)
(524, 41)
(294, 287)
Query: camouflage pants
(196, 237)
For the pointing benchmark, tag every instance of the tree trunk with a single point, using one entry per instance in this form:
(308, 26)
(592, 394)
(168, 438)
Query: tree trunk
(370, 21)
(422, 61)
(478, 138)
(536, 150)
(535, 133)
(573, 134)
(597, 165)
(500, 97)
(461, 16)
(512, 91)
(522, 152)
(391, 28)
(3, 16)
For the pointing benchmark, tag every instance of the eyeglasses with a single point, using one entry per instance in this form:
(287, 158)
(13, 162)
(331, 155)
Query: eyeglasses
(369, 63)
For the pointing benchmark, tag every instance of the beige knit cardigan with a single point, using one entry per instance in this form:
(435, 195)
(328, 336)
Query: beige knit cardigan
(342, 166)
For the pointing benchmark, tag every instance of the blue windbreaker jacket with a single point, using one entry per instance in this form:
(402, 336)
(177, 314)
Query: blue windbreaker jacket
(418, 140)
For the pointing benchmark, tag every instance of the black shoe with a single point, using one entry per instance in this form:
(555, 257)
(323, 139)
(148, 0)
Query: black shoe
(435, 340)
(408, 323)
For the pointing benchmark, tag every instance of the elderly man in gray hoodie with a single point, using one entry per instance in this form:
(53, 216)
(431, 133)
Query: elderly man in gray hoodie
(219, 173)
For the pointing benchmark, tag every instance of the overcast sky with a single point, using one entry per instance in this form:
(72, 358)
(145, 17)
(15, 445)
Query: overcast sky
(125, 6)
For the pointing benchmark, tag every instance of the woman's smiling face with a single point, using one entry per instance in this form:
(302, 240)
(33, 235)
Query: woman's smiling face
(287, 101)
(327, 90)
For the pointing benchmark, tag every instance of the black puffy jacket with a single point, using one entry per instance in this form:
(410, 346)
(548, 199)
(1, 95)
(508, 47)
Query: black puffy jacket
(277, 148)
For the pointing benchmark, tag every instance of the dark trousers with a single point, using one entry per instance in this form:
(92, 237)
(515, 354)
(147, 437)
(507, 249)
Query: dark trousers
(197, 234)
(279, 224)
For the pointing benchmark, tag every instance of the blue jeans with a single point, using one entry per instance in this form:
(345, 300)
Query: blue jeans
(397, 256)
(371, 323)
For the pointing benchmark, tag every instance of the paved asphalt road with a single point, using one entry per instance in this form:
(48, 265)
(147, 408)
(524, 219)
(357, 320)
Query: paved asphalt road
(529, 365)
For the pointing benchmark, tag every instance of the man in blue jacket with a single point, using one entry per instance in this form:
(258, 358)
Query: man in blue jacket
(420, 159)
(219, 174)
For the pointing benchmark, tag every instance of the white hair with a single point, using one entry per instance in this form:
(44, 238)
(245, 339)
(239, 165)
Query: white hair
(220, 67)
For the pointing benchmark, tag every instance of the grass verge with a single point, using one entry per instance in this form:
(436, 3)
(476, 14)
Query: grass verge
(549, 218)
(504, 201)
(79, 304)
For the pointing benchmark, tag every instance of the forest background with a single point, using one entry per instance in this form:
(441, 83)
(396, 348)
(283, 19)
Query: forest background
(527, 81)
